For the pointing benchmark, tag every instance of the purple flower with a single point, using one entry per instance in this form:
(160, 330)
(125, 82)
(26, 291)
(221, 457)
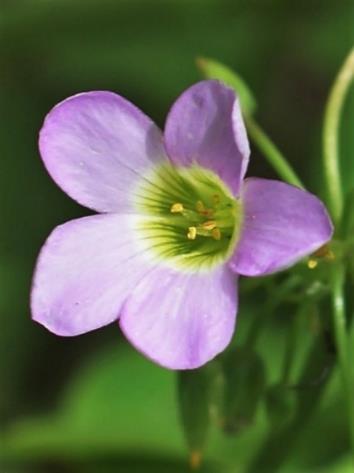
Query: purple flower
(177, 223)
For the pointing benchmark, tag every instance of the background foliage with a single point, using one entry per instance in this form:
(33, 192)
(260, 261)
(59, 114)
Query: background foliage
(91, 403)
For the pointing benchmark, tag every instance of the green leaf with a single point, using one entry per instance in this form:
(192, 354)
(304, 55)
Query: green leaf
(118, 401)
(212, 69)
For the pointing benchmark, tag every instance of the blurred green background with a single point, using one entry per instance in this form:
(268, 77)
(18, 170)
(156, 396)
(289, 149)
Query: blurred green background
(91, 404)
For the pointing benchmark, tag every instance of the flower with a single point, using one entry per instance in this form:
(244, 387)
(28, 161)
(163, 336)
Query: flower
(177, 223)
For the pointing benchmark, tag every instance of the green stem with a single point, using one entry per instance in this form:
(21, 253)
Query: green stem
(271, 153)
(288, 356)
(290, 348)
(341, 338)
(271, 304)
(278, 444)
(332, 117)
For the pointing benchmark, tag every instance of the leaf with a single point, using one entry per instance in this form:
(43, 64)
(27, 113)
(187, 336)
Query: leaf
(118, 402)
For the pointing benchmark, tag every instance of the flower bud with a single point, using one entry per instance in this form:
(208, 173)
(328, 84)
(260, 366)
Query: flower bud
(244, 384)
(193, 397)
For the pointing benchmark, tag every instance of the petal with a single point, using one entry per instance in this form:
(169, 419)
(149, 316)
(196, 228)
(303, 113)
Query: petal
(181, 320)
(84, 273)
(282, 224)
(95, 146)
(205, 126)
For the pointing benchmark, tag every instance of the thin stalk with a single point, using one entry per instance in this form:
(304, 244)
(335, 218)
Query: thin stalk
(288, 356)
(341, 339)
(274, 157)
(271, 304)
(290, 348)
(278, 444)
(332, 117)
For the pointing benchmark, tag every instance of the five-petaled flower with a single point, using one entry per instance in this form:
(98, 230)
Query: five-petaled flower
(177, 223)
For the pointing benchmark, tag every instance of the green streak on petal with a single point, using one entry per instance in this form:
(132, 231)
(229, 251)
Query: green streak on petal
(206, 202)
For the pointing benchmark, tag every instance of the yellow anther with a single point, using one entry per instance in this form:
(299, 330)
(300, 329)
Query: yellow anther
(209, 225)
(216, 233)
(192, 233)
(177, 208)
(312, 263)
(200, 206)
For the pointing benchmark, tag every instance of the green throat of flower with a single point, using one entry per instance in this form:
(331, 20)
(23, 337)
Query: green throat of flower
(191, 219)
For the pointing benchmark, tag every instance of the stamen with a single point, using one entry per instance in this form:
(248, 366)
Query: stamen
(195, 221)
(200, 206)
(177, 208)
(216, 233)
(207, 212)
(192, 233)
(209, 225)
(202, 210)
(312, 263)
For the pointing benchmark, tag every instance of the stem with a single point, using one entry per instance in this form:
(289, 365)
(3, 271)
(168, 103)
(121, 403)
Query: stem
(290, 346)
(339, 320)
(271, 304)
(332, 117)
(274, 157)
(288, 357)
(279, 443)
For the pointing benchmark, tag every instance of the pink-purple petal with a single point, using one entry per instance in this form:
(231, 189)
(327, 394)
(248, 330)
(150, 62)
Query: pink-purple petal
(282, 224)
(205, 126)
(96, 145)
(181, 320)
(84, 273)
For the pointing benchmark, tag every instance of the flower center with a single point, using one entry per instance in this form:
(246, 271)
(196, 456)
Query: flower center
(190, 217)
